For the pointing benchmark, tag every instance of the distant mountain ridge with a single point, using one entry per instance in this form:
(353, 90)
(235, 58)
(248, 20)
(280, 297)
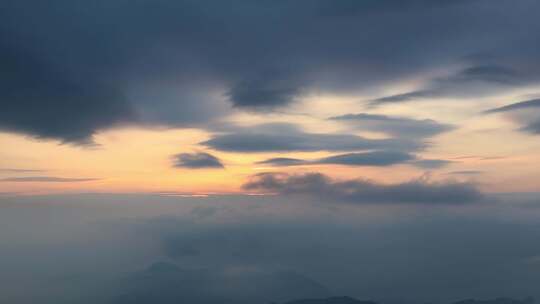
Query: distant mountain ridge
(164, 282)
(497, 301)
(332, 300)
(349, 300)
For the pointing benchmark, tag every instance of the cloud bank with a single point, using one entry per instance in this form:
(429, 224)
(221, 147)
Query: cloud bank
(74, 68)
(359, 191)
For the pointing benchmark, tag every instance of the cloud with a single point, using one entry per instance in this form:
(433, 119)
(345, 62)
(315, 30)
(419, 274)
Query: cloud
(529, 104)
(374, 158)
(363, 191)
(17, 170)
(395, 126)
(525, 113)
(198, 160)
(173, 63)
(379, 158)
(42, 99)
(266, 91)
(478, 80)
(47, 179)
(284, 161)
(269, 138)
(403, 97)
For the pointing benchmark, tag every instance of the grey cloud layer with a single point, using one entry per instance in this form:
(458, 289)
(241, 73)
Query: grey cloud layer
(196, 160)
(261, 138)
(395, 126)
(375, 158)
(363, 191)
(525, 113)
(469, 82)
(72, 68)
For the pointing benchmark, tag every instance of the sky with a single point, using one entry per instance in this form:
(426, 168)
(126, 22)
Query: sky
(197, 96)
(424, 114)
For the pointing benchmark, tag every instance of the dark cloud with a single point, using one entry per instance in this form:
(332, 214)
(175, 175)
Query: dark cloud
(403, 97)
(363, 191)
(47, 179)
(265, 138)
(267, 91)
(374, 158)
(43, 100)
(73, 68)
(473, 81)
(377, 158)
(525, 113)
(395, 126)
(528, 104)
(196, 160)
(283, 161)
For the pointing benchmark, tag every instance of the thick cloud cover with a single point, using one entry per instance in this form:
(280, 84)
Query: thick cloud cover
(287, 137)
(525, 113)
(420, 191)
(196, 160)
(72, 68)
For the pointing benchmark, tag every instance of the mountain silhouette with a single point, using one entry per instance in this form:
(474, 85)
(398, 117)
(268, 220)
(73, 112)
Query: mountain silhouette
(349, 300)
(497, 301)
(169, 283)
(332, 300)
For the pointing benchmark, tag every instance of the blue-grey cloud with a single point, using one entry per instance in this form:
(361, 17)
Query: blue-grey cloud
(263, 139)
(266, 91)
(525, 113)
(528, 104)
(47, 179)
(473, 81)
(395, 126)
(283, 161)
(373, 158)
(363, 191)
(66, 76)
(198, 160)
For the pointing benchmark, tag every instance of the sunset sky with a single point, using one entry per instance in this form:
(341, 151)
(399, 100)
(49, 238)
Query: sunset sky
(198, 96)
(264, 151)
